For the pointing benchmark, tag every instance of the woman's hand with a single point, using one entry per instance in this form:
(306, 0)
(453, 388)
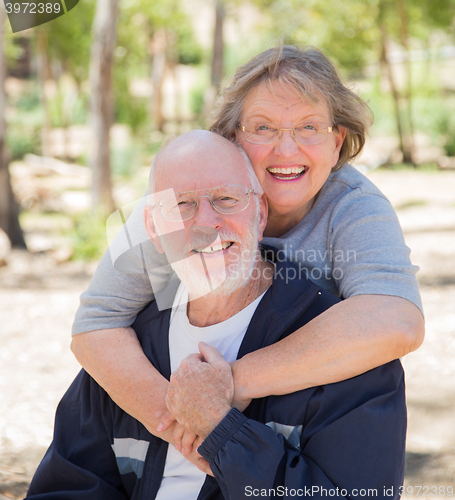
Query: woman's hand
(200, 392)
(182, 438)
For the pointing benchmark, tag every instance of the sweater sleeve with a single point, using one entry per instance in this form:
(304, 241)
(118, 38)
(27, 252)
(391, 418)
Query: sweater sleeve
(80, 463)
(352, 438)
(126, 279)
(370, 255)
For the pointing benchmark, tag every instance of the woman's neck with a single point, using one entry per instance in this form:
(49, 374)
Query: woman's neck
(279, 223)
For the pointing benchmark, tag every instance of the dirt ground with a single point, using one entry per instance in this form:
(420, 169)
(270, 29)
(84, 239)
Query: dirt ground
(38, 300)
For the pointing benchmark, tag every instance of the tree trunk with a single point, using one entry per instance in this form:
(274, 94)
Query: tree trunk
(158, 50)
(9, 209)
(101, 109)
(401, 4)
(217, 61)
(43, 64)
(385, 63)
(218, 47)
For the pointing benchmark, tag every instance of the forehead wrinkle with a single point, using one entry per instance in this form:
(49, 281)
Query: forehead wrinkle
(285, 97)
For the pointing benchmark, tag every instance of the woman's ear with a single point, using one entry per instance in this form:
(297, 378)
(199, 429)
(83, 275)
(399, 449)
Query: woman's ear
(339, 135)
(150, 228)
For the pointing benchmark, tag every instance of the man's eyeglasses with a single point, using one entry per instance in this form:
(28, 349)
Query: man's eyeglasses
(181, 206)
(305, 133)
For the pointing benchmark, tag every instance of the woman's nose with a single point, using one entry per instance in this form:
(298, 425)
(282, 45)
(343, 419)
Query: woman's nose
(286, 145)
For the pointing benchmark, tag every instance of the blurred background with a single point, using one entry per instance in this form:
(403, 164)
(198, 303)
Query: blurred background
(86, 101)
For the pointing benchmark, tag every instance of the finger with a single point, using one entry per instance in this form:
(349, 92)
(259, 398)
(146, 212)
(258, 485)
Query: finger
(193, 358)
(177, 435)
(166, 421)
(204, 466)
(197, 443)
(211, 354)
(187, 442)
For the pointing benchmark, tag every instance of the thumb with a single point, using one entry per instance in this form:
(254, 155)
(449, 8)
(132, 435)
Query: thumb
(211, 354)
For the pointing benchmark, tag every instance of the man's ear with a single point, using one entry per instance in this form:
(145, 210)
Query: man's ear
(150, 228)
(263, 214)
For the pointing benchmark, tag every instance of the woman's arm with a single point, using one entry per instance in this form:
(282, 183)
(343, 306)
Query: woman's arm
(115, 359)
(370, 330)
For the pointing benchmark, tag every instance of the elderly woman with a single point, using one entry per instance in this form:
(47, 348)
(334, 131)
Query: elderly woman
(300, 126)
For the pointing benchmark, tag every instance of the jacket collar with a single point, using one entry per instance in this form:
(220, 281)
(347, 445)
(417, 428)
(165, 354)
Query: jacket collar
(289, 297)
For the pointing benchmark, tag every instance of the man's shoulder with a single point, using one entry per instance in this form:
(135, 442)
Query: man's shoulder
(291, 282)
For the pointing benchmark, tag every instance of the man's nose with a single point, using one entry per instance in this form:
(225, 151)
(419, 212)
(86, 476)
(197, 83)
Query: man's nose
(206, 215)
(286, 145)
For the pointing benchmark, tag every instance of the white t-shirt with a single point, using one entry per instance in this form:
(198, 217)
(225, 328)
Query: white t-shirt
(181, 479)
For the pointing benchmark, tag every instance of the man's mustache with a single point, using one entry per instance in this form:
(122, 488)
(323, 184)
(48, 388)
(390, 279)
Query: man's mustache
(183, 241)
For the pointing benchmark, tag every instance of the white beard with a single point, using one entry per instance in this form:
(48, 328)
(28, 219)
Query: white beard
(220, 279)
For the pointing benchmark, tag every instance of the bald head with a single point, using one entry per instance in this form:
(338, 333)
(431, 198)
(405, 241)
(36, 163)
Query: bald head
(201, 158)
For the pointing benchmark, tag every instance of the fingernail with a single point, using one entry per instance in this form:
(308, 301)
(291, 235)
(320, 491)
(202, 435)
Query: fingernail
(160, 427)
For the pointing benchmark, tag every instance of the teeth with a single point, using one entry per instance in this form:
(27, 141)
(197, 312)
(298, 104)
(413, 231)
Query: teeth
(215, 248)
(286, 178)
(291, 170)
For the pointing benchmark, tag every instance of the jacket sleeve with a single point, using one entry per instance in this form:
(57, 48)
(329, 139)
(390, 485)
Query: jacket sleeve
(80, 463)
(352, 438)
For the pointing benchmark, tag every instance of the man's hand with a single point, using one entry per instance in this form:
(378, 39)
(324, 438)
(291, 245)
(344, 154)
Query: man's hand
(200, 392)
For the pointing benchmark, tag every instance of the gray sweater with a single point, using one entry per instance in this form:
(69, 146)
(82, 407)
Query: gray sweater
(350, 243)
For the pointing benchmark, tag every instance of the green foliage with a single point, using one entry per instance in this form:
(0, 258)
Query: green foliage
(78, 114)
(23, 133)
(69, 39)
(444, 124)
(128, 109)
(125, 161)
(138, 21)
(88, 238)
(197, 91)
(29, 101)
(22, 140)
(189, 51)
(345, 30)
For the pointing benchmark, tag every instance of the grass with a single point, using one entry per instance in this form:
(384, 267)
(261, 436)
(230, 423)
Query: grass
(411, 204)
(51, 222)
(424, 167)
(88, 239)
(85, 233)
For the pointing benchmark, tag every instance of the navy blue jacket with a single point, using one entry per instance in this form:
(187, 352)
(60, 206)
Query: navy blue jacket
(333, 440)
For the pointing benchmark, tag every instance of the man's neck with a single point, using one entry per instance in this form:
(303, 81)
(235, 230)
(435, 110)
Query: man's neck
(214, 308)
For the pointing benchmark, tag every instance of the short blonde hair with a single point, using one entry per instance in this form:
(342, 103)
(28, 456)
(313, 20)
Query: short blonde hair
(314, 77)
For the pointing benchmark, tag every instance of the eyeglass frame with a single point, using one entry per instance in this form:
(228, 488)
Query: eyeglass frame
(210, 190)
(280, 133)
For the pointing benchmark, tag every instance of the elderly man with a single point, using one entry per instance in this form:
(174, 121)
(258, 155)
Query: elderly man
(346, 439)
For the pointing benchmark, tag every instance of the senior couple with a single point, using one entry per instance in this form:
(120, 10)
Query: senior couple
(291, 387)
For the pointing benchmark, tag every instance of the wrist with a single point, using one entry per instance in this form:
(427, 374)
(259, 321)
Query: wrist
(220, 414)
(242, 392)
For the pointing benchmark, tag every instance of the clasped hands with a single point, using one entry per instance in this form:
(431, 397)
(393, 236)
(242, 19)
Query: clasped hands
(199, 396)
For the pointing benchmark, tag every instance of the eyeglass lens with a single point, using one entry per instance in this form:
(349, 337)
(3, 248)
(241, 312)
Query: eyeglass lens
(310, 134)
(225, 200)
